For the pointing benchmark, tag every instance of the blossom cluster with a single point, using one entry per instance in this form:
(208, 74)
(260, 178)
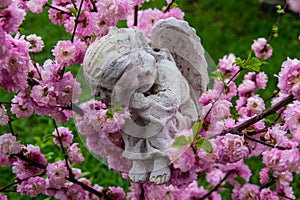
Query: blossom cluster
(101, 126)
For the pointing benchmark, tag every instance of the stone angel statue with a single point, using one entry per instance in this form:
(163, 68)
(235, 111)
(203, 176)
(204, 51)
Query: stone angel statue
(159, 80)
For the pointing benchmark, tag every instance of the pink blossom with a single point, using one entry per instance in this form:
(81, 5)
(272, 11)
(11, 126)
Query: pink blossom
(137, 2)
(4, 119)
(278, 135)
(63, 135)
(67, 90)
(56, 16)
(36, 6)
(240, 170)
(147, 18)
(247, 191)
(11, 18)
(21, 106)
(3, 158)
(153, 192)
(14, 67)
(215, 176)
(264, 175)
(33, 186)
(43, 95)
(182, 179)
(57, 173)
(230, 148)
(227, 67)
(255, 105)
(220, 110)
(75, 154)
(230, 91)
(65, 53)
(5, 3)
(24, 169)
(289, 76)
(246, 88)
(282, 160)
(36, 43)
(3, 197)
(75, 192)
(286, 192)
(294, 5)
(9, 144)
(183, 160)
(174, 12)
(114, 9)
(117, 192)
(261, 80)
(192, 191)
(283, 178)
(261, 49)
(267, 194)
(292, 116)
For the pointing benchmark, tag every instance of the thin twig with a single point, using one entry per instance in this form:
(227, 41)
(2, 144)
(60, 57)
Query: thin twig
(169, 6)
(217, 186)
(94, 6)
(77, 21)
(136, 12)
(66, 156)
(55, 8)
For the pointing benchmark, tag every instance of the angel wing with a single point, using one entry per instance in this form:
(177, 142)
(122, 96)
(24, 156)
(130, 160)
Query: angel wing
(185, 46)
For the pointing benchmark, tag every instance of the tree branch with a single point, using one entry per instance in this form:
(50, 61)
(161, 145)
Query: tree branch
(77, 21)
(217, 186)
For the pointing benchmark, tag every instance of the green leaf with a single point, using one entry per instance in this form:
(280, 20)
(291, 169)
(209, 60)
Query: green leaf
(275, 31)
(204, 144)
(110, 114)
(217, 75)
(197, 126)
(182, 141)
(48, 137)
(240, 180)
(279, 9)
(73, 11)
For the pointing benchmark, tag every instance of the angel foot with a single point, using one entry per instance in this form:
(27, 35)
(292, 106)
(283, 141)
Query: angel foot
(139, 172)
(161, 172)
(160, 176)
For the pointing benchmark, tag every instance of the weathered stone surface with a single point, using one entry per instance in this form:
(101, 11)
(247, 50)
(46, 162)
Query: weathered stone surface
(159, 81)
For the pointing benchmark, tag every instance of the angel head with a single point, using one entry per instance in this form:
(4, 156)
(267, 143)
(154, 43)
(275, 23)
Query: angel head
(120, 51)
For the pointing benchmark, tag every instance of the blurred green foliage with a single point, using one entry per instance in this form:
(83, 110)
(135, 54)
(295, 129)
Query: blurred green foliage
(224, 27)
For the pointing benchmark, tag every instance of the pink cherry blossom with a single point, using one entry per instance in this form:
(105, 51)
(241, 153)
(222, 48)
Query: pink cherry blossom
(11, 18)
(246, 88)
(267, 194)
(227, 67)
(33, 186)
(292, 116)
(4, 119)
(5, 3)
(36, 6)
(289, 76)
(65, 53)
(261, 49)
(36, 43)
(57, 173)
(247, 191)
(63, 135)
(264, 175)
(231, 148)
(56, 16)
(25, 170)
(3, 197)
(294, 5)
(75, 154)
(9, 144)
